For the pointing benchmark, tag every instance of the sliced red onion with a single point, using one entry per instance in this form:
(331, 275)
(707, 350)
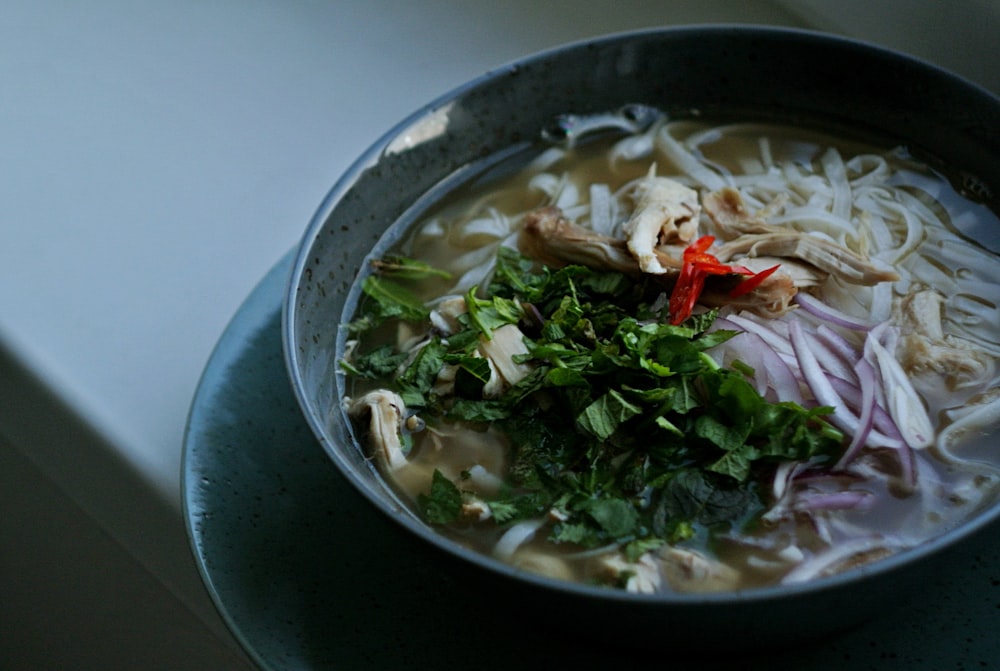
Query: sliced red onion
(818, 308)
(866, 378)
(849, 499)
(770, 369)
(831, 361)
(839, 344)
(884, 429)
(769, 332)
(817, 380)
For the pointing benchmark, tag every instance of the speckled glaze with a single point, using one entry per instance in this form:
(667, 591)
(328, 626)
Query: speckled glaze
(777, 74)
(310, 576)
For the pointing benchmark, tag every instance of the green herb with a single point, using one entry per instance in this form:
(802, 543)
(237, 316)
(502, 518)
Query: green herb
(404, 268)
(626, 426)
(388, 299)
(443, 504)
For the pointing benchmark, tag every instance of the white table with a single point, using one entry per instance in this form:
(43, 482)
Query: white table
(157, 159)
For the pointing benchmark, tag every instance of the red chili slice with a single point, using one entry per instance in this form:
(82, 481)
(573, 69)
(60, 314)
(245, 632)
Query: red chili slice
(699, 264)
(752, 282)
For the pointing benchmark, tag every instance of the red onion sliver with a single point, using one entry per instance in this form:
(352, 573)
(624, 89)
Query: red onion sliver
(816, 307)
(882, 422)
(817, 381)
(844, 500)
(866, 377)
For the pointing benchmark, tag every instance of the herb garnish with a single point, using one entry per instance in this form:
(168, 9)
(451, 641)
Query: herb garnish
(626, 427)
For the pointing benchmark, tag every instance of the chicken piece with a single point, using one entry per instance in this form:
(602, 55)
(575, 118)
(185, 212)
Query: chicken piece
(641, 577)
(500, 350)
(924, 348)
(541, 563)
(825, 255)
(506, 343)
(972, 420)
(550, 238)
(445, 315)
(475, 510)
(802, 275)
(385, 426)
(665, 212)
(726, 209)
(689, 571)
(772, 298)
(750, 235)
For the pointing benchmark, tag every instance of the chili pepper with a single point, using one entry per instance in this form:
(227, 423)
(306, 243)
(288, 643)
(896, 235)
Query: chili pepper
(751, 283)
(698, 264)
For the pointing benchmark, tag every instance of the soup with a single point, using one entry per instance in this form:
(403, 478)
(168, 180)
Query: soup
(677, 355)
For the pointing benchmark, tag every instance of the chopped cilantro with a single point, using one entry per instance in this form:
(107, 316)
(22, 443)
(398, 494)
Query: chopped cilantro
(625, 425)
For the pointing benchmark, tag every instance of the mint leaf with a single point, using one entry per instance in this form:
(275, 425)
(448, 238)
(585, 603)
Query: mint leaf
(443, 504)
(603, 417)
(472, 375)
(393, 300)
(486, 315)
(616, 517)
(406, 268)
(380, 362)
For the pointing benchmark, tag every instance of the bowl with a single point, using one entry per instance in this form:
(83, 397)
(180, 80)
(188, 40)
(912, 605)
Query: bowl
(792, 76)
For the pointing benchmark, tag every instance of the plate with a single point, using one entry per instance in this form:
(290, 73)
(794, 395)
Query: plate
(308, 575)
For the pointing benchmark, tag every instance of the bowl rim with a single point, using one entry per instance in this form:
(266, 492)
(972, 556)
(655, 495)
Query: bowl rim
(907, 557)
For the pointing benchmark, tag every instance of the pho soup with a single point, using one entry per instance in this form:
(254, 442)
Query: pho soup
(674, 355)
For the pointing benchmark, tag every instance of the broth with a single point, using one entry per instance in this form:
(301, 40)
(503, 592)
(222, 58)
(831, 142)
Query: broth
(904, 358)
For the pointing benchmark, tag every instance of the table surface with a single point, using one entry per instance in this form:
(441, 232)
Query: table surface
(159, 158)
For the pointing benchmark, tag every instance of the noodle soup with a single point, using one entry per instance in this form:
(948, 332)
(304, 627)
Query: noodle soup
(672, 355)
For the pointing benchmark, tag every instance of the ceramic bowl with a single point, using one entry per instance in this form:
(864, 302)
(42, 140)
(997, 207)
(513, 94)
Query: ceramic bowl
(774, 74)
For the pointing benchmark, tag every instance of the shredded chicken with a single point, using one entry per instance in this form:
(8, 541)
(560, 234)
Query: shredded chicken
(552, 239)
(386, 410)
(749, 235)
(726, 209)
(826, 255)
(693, 572)
(506, 344)
(924, 348)
(772, 298)
(445, 316)
(641, 577)
(542, 563)
(666, 212)
(801, 274)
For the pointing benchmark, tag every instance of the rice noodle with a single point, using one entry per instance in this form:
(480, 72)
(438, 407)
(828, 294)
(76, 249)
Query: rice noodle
(515, 537)
(828, 559)
(686, 161)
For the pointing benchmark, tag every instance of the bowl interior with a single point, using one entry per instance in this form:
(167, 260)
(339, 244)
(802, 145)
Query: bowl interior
(780, 75)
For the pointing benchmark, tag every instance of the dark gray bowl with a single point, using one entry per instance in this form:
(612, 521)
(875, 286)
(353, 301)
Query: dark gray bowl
(746, 72)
